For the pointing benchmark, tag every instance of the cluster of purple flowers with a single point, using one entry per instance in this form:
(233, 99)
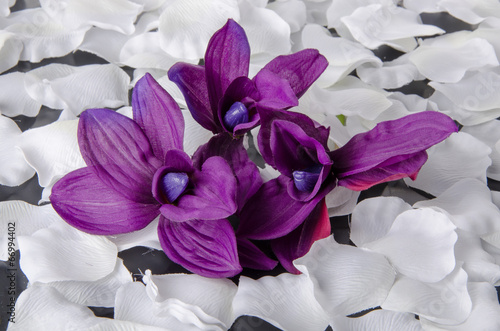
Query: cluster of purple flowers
(137, 169)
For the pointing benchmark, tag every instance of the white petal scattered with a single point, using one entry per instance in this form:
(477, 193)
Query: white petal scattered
(10, 50)
(292, 11)
(341, 201)
(379, 319)
(471, 11)
(14, 100)
(146, 237)
(196, 134)
(489, 133)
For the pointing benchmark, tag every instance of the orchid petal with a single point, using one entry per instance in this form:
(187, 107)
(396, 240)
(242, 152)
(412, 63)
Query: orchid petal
(14, 100)
(292, 11)
(10, 50)
(252, 257)
(286, 301)
(460, 156)
(346, 279)
(379, 319)
(86, 203)
(187, 26)
(275, 92)
(75, 251)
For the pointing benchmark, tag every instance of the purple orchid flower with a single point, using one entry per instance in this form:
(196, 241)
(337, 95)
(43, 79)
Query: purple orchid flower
(222, 98)
(137, 170)
(290, 209)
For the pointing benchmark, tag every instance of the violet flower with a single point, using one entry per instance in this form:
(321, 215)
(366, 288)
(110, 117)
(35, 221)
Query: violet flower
(222, 98)
(290, 209)
(137, 170)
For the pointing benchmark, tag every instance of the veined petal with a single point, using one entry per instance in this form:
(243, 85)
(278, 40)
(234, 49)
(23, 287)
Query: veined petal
(119, 153)
(197, 136)
(227, 57)
(252, 257)
(14, 100)
(158, 115)
(293, 12)
(10, 50)
(275, 92)
(146, 237)
(207, 248)
(88, 204)
(379, 319)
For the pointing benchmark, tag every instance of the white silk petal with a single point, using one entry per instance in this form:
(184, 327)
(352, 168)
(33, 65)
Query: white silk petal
(146, 237)
(459, 156)
(341, 201)
(14, 170)
(292, 11)
(446, 301)
(62, 253)
(468, 202)
(420, 244)
(195, 135)
(342, 8)
(471, 11)
(379, 319)
(446, 63)
(421, 6)
(373, 218)
(187, 25)
(10, 50)
(149, 5)
(489, 133)
(287, 301)
(104, 43)
(14, 100)
(346, 279)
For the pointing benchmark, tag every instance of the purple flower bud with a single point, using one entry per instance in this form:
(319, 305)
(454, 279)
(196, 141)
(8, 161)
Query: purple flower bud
(237, 114)
(306, 179)
(173, 184)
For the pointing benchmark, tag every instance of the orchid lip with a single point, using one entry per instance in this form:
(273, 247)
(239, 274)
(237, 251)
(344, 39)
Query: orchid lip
(173, 184)
(306, 179)
(237, 114)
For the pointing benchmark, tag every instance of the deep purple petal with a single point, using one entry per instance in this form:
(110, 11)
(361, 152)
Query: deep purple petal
(119, 152)
(252, 257)
(298, 242)
(271, 213)
(227, 57)
(192, 82)
(300, 69)
(207, 248)
(391, 142)
(211, 197)
(158, 115)
(232, 150)
(275, 92)
(88, 204)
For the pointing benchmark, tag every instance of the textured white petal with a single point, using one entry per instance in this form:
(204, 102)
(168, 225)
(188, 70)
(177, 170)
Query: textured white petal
(346, 279)
(419, 6)
(420, 244)
(292, 11)
(104, 43)
(14, 100)
(187, 25)
(117, 15)
(195, 134)
(442, 62)
(149, 5)
(99, 293)
(471, 11)
(14, 170)
(316, 11)
(468, 202)
(379, 319)
(341, 201)
(489, 133)
(446, 302)
(52, 150)
(343, 55)
(10, 50)
(147, 237)
(342, 8)
(373, 218)
(459, 156)
(62, 252)
(287, 301)
(266, 31)
(4, 7)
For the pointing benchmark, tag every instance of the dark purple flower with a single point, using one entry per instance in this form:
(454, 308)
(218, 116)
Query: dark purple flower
(288, 209)
(219, 93)
(137, 170)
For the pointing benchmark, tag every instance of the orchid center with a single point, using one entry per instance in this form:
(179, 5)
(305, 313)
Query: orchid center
(173, 184)
(306, 179)
(237, 114)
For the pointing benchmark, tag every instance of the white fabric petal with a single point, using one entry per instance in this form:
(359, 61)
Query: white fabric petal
(459, 156)
(147, 237)
(343, 55)
(468, 202)
(379, 319)
(52, 150)
(149, 5)
(14, 100)
(342, 8)
(446, 301)
(14, 170)
(187, 25)
(346, 279)
(292, 11)
(42, 36)
(447, 63)
(373, 218)
(104, 43)
(61, 252)
(471, 11)
(420, 244)
(78, 88)
(266, 31)
(99, 293)
(316, 11)
(287, 301)
(489, 133)
(4, 7)
(117, 15)
(10, 50)
(421, 6)
(195, 134)
(341, 201)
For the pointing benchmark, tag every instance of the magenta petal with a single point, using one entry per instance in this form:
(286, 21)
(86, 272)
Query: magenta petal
(192, 82)
(207, 248)
(212, 197)
(300, 69)
(298, 242)
(119, 153)
(158, 115)
(275, 92)
(252, 257)
(88, 204)
(227, 57)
